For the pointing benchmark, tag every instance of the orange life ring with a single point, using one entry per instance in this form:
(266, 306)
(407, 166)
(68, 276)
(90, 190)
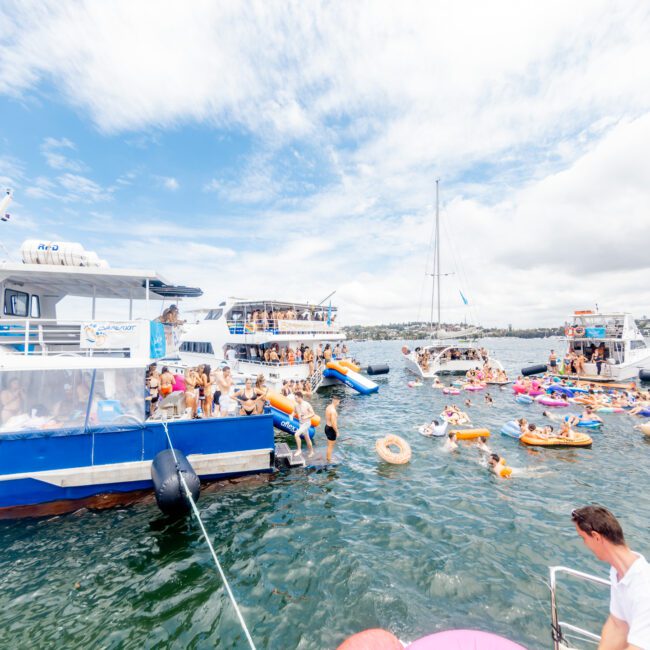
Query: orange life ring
(383, 448)
(506, 472)
(569, 331)
(579, 330)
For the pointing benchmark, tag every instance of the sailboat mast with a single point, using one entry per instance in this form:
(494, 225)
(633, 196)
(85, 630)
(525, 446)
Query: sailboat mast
(437, 256)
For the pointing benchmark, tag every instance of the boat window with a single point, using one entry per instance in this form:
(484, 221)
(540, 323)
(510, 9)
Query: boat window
(637, 345)
(16, 303)
(198, 347)
(35, 309)
(214, 314)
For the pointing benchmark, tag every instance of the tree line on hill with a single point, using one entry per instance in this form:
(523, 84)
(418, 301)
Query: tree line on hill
(419, 331)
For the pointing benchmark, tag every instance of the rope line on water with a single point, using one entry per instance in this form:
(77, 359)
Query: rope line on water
(197, 514)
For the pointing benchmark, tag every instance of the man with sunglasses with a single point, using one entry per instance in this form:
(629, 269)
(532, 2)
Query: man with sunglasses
(628, 625)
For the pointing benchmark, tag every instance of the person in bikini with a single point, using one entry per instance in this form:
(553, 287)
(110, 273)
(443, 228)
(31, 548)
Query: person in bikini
(153, 384)
(261, 391)
(247, 398)
(191, 398)
(331, 426)
(208, 391)
(166, 382)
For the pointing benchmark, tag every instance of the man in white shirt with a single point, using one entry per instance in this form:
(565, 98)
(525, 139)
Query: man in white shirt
(304, 412)
(628, 625)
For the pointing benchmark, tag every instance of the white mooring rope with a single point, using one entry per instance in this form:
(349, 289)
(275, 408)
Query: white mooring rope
(195, 510)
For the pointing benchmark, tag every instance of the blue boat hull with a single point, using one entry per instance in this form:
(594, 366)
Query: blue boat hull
(38, 467)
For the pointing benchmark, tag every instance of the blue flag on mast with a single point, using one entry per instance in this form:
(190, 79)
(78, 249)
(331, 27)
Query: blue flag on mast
(463, 297)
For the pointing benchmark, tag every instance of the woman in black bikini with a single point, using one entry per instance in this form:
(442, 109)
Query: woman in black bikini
(260, 390)
(247, 398)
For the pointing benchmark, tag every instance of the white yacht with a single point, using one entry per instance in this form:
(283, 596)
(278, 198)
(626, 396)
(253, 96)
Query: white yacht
(445, 354)
(625, 351)
(439, 358)
(241, 331)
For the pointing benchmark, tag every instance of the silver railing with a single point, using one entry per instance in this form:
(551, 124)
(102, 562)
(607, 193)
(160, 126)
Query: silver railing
(54, 337)
(283, 327)
(316, 377)
(559, 627)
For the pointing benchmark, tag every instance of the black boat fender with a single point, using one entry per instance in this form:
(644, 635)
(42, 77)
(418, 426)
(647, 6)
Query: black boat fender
(378, 369)
(170, 494)
(538, 369)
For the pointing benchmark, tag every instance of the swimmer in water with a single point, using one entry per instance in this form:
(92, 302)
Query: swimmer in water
(468, 403)
(451, 443)
(497, 465)
(488, 399)
(481, 443)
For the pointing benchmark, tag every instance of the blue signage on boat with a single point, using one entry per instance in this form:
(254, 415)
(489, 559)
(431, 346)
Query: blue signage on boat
(157, 340)
(595, 332)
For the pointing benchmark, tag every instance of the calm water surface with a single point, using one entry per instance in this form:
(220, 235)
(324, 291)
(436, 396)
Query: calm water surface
(316, 555)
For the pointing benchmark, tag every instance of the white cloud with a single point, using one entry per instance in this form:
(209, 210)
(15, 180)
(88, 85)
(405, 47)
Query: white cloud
(52, 150)
(68, 188)
(168, 182)
(535, 116)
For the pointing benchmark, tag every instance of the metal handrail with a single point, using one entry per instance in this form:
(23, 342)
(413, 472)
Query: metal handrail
(556, 624)
(275, 327)
(51, 336)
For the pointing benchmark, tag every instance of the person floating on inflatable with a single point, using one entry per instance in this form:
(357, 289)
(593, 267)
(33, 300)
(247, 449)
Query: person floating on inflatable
(499, 467)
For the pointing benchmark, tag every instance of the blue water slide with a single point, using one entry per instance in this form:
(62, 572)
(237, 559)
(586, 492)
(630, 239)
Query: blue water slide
(354, 380)
(287, 423)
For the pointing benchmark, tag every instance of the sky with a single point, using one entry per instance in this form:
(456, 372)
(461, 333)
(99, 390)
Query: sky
(290, 149)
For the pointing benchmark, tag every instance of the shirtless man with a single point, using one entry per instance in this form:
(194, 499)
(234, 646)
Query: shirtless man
(224, 384)
(450, 441)
(497, 465)
(304, 412)
(331, 426)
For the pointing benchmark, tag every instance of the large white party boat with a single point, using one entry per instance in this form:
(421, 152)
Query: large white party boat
(241, 332)
(612, 344)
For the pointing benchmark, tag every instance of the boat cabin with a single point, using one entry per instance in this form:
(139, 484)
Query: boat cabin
(58, 372)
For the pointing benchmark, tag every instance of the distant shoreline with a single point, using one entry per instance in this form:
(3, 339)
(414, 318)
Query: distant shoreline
(421, 331)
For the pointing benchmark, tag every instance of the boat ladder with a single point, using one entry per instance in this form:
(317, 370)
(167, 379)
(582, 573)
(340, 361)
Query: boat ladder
(560, 630)
(316, 378)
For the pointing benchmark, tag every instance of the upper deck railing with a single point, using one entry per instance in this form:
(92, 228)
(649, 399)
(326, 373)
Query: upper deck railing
(52, 337)
(283, 327)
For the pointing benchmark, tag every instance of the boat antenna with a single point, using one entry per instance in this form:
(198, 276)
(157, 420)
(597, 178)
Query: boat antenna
(329, 295)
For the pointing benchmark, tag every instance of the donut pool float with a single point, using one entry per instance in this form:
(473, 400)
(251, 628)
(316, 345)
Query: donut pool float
(385, 447)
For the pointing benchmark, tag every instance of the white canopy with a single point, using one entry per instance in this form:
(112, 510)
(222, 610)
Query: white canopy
(92, 281)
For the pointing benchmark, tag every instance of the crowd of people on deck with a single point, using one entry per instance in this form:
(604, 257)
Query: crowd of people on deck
(425, 356)
(207, 392)
(265, 320)
(573, 362)
(290, 355)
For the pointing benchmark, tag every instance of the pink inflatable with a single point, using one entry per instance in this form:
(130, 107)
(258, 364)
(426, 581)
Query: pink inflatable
(464, 640)
(450, 391)
(376, 639)
(549, 401)
(471, 387)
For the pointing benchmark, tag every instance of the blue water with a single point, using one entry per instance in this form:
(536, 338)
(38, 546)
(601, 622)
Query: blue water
(316, 555)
